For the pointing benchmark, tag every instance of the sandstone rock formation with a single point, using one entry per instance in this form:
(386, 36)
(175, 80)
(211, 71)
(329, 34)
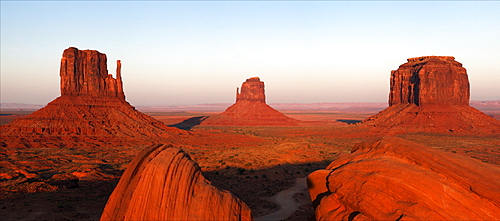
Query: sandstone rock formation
(430, 80)
(92, 103)
(84, 72)
(163, 183)
(251, 90)
(250, 109)
(395, 179)
(431, 93)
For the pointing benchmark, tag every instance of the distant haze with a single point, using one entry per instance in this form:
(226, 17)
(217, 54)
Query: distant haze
(197, 52)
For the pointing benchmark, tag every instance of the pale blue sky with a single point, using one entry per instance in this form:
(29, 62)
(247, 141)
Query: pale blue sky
(199, 52)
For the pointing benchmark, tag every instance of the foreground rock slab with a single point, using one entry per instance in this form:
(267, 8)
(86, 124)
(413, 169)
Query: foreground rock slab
(163, 183)
(395, 179)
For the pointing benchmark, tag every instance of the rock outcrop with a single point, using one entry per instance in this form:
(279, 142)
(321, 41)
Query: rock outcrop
(395, 179)
(251, 109)
(92, 103)
(432, 94)
(84, 72)
(251, 90)
(163, 183)
(430, 80)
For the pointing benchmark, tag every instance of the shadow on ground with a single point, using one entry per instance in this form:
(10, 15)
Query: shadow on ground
(348, 121)
(188, 124)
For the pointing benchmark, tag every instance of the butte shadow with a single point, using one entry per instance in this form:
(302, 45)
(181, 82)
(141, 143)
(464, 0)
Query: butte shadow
(250, 109)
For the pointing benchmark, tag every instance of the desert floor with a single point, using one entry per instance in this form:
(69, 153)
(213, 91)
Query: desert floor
(254, 163)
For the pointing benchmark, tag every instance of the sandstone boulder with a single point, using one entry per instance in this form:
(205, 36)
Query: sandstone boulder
(163, 183)
(395, 179)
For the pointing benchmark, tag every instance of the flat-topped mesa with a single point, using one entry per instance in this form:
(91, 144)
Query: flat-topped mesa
(84, 72)
(430, 80)
(251, 90)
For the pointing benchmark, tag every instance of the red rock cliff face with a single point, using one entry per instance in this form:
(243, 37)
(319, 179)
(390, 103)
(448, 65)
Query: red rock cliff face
(163, 183)
(430, 80)
(395, 179)
(84, 72)
(251, 90)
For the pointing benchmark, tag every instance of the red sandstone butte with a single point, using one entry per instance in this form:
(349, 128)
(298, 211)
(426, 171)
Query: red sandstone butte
(163, 183)
(431, 93)
(395, 179)
(92, 103)
(251, 109)
(84, 72)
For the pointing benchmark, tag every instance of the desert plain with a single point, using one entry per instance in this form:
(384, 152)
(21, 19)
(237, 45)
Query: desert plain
(252, 162)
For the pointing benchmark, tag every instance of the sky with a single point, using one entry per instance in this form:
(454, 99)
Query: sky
(196, 52)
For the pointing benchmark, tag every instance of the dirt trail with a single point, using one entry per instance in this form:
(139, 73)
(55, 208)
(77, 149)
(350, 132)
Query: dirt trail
(288, 205)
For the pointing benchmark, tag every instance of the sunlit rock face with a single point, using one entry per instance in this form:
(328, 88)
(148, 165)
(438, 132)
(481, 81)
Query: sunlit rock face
(431, 94)
(251, 90)
(395, 179)
(251, 109)
(163, 183)
(430, 80)
(92, 103)
(84, 72)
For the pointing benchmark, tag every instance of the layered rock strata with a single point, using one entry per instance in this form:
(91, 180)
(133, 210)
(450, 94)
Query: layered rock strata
(430, 80)
(163, 183)
(431, 93)
(84, 72)
(395, 179)
(251, 109)
(92, 103)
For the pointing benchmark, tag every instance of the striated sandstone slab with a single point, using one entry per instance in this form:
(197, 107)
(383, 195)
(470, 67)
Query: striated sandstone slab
(395, 179)
(163, 183)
